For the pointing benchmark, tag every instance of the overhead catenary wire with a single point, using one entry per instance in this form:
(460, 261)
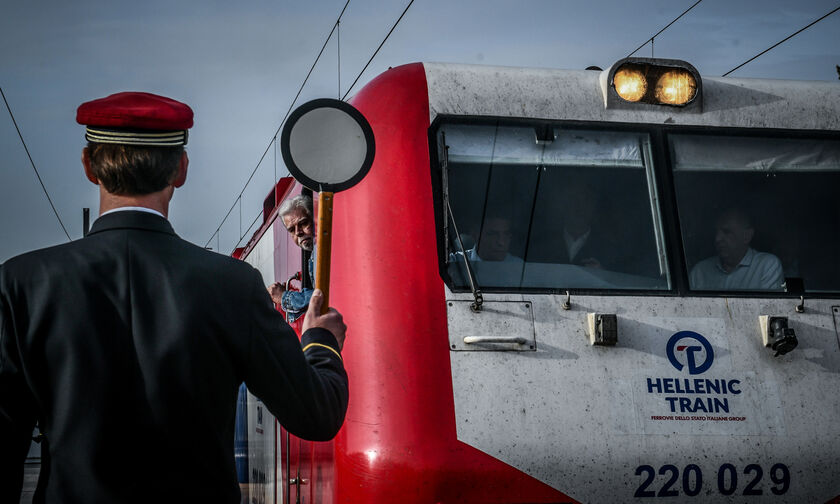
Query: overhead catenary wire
(25, 148)
(784, 40)
(650, 40)
(377, 50)
(273, 141)
(276, 132)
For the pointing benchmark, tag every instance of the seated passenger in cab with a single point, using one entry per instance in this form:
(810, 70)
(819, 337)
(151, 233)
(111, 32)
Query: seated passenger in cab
(576, 237)
(494, 242)
(737, 266)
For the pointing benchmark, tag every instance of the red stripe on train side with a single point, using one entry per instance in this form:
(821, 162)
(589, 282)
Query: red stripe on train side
(399, 441)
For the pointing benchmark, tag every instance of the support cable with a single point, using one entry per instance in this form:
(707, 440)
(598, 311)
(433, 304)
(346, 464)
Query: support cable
(377, 50)
(33, 165)
(782, 41)
(338, 48)
(663, 29)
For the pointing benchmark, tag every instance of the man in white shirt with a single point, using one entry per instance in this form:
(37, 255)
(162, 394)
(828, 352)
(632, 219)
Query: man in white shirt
(494, 241)
(736, 266)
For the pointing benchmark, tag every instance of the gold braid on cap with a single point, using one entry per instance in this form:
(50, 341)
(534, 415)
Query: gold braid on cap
(124, 137)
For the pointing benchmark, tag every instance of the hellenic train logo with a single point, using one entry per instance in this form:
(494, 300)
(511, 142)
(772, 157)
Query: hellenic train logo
(691, 350)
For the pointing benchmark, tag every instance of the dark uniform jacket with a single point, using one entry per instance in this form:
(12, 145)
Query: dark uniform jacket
(552, 249)
(128, 348)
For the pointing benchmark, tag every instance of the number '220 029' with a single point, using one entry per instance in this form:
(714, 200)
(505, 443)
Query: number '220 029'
(748, 481)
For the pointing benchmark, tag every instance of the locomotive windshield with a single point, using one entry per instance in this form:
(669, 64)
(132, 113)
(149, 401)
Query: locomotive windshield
(550, 208)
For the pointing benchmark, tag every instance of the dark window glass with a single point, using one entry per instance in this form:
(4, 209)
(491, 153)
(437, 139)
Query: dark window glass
(757, 211)
(541, 207)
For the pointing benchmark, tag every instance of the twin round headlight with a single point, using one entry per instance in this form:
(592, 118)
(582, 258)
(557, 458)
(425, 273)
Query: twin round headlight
(655, 84)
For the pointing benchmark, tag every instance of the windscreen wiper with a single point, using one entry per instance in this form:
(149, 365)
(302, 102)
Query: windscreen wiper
(478, 299)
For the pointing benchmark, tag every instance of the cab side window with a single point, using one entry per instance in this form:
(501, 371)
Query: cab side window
(756, 211)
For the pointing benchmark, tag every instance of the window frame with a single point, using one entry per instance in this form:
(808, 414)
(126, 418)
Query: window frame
(663, 178)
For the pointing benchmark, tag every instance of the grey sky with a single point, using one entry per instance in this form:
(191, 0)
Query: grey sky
(238, 65)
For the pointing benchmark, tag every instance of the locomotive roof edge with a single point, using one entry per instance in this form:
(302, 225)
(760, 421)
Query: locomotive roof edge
(541, 93)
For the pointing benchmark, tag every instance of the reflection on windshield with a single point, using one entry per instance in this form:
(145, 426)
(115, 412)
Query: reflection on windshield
(757, 211)
(572, 212)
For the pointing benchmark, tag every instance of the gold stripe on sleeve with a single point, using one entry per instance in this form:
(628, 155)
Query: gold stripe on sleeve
(331, 349)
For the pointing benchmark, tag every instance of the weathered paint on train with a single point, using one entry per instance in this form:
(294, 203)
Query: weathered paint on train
(564, 421)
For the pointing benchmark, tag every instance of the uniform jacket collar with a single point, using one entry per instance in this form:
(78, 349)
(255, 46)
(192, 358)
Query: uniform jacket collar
(132, 219)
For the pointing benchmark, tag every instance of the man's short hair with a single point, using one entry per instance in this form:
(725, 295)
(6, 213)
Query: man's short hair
(127, 170)
(301, 201)
(738, 215)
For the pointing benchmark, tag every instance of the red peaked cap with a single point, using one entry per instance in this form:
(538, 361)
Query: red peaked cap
(133, 110)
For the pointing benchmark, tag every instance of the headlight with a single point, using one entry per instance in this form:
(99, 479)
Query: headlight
(630, 84)
(676, 87)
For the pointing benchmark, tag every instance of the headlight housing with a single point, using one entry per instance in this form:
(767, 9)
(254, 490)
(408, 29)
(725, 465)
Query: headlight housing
(653, 81)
